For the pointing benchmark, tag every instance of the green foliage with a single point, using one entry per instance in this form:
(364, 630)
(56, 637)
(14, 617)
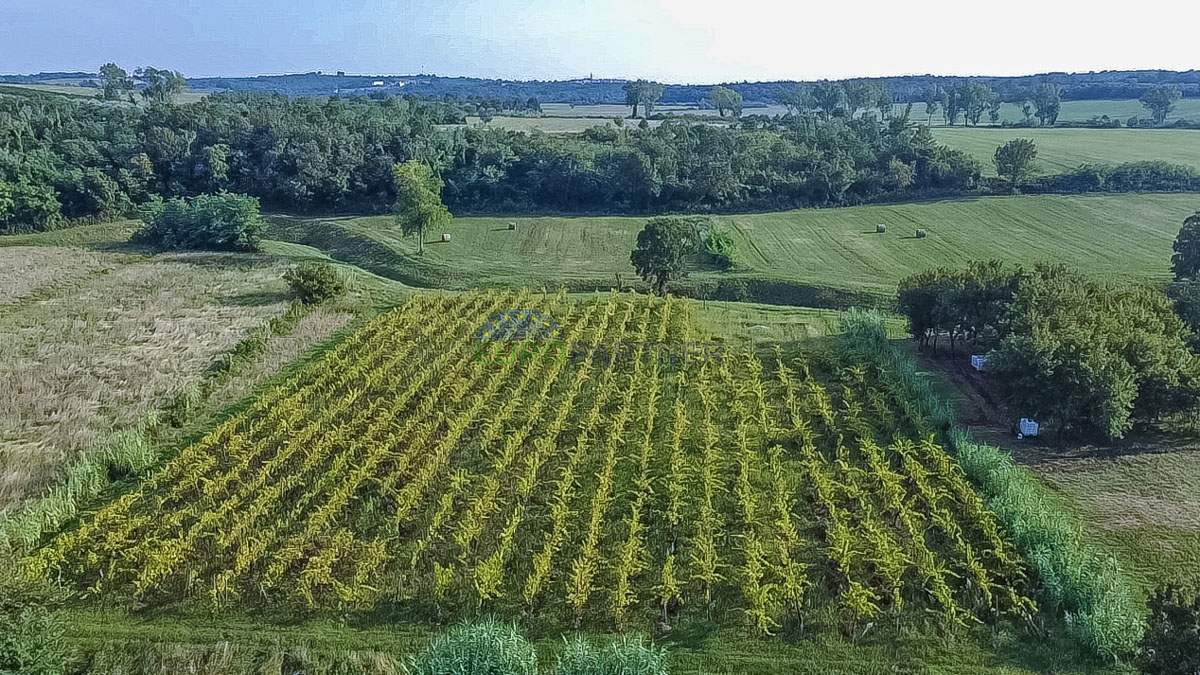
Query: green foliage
(115, 83)
(484, 647)
(315, 282)
(1171, 645)
(220, 222)
(663, 248)
(28, 207)
(628, 655)
(1186, 295)
(1015, 161)
(1186, 261)
(1047, 101)
(418, 205)
(31, 633)
(962, 304)
(644, 93)
(162, 86)
(721, 248)
(1160, 101)
(725, 99)
(1090, 358)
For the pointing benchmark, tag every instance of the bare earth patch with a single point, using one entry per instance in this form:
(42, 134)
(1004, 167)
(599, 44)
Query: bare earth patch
(99, 354)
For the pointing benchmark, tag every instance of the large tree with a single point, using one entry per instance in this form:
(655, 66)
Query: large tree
(1186, 261)
(726, 99)
(644, 93)
(664, 247)
(933, 102)
(162, 86)
(115, 83)
(1047, 101)
(1015, 161)
(1160, 101)
(419, 205)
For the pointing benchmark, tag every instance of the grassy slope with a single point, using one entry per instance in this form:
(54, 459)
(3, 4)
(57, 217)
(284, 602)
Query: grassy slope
(1063, 149)
(1124, 235)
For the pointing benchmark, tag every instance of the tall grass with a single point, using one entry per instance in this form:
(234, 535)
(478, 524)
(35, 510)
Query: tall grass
(484, 647)
(1081, 580)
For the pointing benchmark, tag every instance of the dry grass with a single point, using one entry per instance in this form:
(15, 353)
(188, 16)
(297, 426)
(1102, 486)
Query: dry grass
(24, 269)
(90, 356)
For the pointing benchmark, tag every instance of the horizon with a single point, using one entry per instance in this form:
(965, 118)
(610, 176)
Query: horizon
(665, 40)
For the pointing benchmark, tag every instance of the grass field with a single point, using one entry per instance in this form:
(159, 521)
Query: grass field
(1120, 235)
(1063, 149)
(1079, 111)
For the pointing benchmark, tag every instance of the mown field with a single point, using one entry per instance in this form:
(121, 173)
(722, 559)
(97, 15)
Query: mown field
(1060, 150)
(1126, 236)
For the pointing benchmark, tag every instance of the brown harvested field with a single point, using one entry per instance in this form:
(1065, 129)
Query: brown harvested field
(95, 350)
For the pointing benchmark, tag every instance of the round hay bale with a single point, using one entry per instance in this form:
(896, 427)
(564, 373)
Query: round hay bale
(880, 229)
(512, 226)
(921, 234)
(445, 237)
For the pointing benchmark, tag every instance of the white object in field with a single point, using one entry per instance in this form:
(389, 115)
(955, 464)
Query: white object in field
(921, 234)
(1028, 427)
(512, 226)
(880, 229)
(445, 237)
(978, 361)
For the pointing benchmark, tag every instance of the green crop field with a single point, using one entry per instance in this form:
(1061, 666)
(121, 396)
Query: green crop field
(1063, 149)
(1123, 235)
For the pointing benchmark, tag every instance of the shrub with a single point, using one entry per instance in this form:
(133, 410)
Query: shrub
(1171, 645)
(315, 282)
(721, 248)
(220, 222)
(28, 207)
(484, 647)
(626, 656)
(31, 635)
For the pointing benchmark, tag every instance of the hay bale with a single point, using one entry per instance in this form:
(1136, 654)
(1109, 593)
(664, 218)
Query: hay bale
(921, 234)
(445, 237)
(512, 226)
(880, 229)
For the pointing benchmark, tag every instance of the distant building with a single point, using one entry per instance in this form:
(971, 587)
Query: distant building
(341, 73)
(377, 83)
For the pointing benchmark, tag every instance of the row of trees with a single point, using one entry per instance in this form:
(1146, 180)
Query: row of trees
(1078, 354)
(63, 158)
(972, 99)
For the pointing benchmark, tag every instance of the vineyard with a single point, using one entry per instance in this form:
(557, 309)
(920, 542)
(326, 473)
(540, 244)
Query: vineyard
(617, 492)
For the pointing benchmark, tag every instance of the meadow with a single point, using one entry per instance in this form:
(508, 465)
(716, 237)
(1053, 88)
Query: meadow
(1127, 236)
(1061, 150)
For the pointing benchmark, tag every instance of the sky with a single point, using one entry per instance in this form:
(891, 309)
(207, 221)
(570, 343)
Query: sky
(677, 41)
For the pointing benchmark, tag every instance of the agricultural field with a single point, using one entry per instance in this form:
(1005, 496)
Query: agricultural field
(94, 337)
(1128, 236)
(1061, 150)
(426, 464)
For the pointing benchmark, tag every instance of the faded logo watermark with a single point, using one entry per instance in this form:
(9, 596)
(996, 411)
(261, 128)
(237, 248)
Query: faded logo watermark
(529, 336)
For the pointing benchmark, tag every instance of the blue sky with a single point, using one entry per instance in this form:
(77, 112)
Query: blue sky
(669, 40)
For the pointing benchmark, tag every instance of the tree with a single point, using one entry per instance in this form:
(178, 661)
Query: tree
(1047, 100)
(1160, 101)
(1015, 161)
(644, 93)
(162, 86)
(115, 83)
(1171, 645)
(724, 98)
(933, 101)
(663, 248)
(419, 205)
(1186, 261)
(31, 632)
(220, 222)
(795, 97)
(828, 97)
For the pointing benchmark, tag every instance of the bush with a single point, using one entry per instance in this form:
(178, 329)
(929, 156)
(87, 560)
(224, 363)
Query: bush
(626, 656)
(1171, 645)
(485, 647)
(721, 248)
(220, 222)
(314, 282)
(31, 635)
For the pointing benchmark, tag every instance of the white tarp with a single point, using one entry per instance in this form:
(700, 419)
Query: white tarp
(1028, 427)
(978, 361)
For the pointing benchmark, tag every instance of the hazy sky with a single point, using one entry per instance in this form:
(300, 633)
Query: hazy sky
(669, 40)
